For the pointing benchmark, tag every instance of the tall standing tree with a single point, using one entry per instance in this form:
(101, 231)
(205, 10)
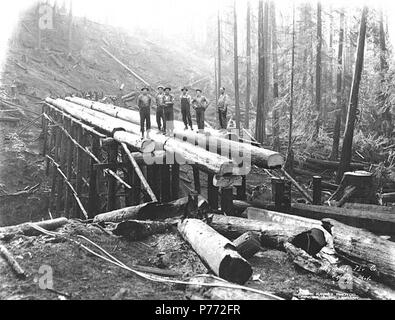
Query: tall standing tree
(248, 71)
(260, 124)
(276, 124)
(387, 126)
(318, 70)
(353, 103)
(339, 78)
(70, 26)
(219, 48)
(236, 66)
(290, 155)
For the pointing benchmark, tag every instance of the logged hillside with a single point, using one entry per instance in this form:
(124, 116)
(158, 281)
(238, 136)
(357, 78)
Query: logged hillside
(54, 71)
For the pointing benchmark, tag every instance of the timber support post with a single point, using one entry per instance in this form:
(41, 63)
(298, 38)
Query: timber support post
(165, 183)
(212, 192)
(196, 179)
(112, 152)
(241, 190)
(93, 200)
(227, 200)
(317, 190)
(175, 181)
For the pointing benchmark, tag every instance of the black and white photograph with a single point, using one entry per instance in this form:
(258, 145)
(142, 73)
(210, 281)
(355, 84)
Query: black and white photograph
(199, 154)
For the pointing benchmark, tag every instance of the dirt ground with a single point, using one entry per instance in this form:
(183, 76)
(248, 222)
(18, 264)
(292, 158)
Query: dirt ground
(80, 275)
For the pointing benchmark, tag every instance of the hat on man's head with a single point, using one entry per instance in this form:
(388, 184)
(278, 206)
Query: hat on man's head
(160, 86)
(198, 90)
(144, 88)
(168, 88)
(184, 89)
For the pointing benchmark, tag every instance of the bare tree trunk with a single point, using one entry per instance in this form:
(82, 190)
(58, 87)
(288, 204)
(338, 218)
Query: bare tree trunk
(276, 124)
(259, 126)
(289, 162)
(353, 104)
(248, 71)
(236, 66)
(219, 50)
(336, 131)
(70, 26)
(318, 71)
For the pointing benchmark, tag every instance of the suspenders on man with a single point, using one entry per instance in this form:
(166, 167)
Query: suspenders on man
(186, 108)
(144, 103)
(200, 104)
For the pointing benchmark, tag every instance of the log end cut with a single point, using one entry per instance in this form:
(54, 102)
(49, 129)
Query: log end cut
(235, 269)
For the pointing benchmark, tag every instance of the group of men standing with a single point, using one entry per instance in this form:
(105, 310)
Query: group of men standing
(164, 101)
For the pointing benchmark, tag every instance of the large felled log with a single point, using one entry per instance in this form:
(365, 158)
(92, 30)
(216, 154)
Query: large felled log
(135, 230)
(334, 164)
(134, 140)
(177, 151)
(200, 292)
(388, 197)
(216, 141)
(381, 223)
(150, 210)
(282, 218)
(369, 207)
(345, 278)
(271, 234)
(219, 254)
(366, 249)
(28, 230)
(133, 116)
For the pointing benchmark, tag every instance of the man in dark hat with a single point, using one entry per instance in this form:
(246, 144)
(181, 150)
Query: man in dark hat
(200, 104)
(186, 108)
(168, 100)
(160, 109)
(223, 103)
(144, 103)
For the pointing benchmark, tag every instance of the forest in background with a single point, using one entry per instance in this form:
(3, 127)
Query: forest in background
(290, 70)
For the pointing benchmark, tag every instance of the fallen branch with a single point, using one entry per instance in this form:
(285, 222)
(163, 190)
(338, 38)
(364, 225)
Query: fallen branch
(20, 273)
(139, 173)
(28, 229)
(25, 192)
(297, 186)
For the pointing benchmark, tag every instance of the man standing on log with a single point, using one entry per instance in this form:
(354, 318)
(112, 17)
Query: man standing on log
(186, 108)
(168, 101)
(223, 103)
(144, 103)
(160, 109)
(200, 104)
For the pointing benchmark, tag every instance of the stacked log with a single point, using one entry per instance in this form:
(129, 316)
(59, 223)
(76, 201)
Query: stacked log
(124, 131)
(213, 140)
(143, 145)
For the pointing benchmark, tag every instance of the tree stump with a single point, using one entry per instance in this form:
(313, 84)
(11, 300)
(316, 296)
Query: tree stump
(357, 186)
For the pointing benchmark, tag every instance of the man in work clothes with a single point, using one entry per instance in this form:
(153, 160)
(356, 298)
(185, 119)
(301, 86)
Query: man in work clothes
(144, 103)
(200, 104)
(186, 108)
(223, 103)
(159, 109)
(168, 101)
